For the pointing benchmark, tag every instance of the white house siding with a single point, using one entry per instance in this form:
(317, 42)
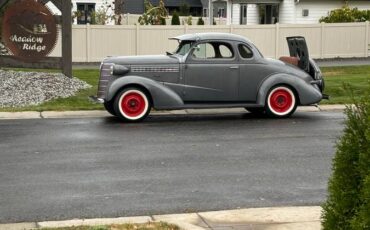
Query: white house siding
(253, 14)
(235, 14)
(287, 12)
(318, 9)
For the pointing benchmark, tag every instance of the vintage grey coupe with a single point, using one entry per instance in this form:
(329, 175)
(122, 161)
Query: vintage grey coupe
(211, 70)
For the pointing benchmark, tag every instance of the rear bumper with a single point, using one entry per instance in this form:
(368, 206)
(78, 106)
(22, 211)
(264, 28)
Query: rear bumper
(97, 100)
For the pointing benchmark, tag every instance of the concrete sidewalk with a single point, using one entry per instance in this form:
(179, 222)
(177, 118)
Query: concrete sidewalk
(102, 113)
(279, 218)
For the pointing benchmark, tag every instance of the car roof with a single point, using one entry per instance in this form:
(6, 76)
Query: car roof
(211, 36)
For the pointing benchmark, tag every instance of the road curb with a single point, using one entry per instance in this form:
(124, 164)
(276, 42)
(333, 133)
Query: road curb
(102, 113)
(278, 218)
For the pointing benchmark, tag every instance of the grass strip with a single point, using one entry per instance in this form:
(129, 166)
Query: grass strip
(356, 76)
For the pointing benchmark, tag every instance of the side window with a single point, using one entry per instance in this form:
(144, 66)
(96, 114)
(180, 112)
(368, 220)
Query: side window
(245, 51)
(213, 50)
(225, 51)
(204, 51)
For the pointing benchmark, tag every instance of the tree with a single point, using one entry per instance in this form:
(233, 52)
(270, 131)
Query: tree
(200, 21)
(154, 15)
(175, 18)
(184, 9)
(348, 203)
(118, 11)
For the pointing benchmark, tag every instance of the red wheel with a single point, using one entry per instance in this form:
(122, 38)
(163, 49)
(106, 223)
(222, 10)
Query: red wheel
(281, 102)
(132, 105)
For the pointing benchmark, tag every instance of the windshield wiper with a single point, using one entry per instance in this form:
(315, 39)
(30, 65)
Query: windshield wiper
(168, 53)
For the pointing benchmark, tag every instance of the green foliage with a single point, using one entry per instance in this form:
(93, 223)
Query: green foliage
(189, 20)
(348, 202)
(184, 9)
(175, 19)
(200, 21)
(346, 14)
(154, 15)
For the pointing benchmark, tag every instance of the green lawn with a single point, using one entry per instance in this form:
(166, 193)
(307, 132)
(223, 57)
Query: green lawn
(358, 77)
(78, 102)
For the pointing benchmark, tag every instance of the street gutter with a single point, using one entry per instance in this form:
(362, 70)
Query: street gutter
(102, 113)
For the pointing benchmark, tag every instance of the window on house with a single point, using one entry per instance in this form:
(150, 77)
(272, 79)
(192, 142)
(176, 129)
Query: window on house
(269, 14)
(85, 12)
(243, 14)
(221, 13)
(205, 13)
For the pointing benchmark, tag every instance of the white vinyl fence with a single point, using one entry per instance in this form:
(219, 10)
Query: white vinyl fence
(93, 43)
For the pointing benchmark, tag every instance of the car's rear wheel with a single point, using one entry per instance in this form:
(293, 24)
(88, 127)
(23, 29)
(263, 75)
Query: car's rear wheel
(132, 104)
(109, 106)
(281, 102)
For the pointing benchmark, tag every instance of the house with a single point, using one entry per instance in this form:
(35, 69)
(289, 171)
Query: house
(251, 12)
(137, 6)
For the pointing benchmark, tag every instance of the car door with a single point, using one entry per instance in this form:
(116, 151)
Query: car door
(252, 73)
(211, 73)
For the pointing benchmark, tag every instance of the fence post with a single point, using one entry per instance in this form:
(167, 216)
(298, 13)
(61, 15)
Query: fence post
(137, 40)
(277, 39)
(185, 28)
(322, 39)
(367, 39)
(88, 35)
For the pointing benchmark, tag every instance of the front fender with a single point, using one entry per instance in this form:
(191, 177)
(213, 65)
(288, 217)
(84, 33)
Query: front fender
(162, 96)
(307, 93)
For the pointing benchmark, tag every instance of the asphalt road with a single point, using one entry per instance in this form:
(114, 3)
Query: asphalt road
(53, 169)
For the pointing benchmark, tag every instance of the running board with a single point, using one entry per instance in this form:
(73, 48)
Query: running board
(214, 106)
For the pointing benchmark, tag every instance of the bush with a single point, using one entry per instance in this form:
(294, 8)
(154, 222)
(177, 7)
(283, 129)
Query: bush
(200, 21)
(175, 19)
(346, 14)
(348, 203)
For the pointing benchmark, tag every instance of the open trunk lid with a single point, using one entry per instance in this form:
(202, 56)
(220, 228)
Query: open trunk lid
(298, 48)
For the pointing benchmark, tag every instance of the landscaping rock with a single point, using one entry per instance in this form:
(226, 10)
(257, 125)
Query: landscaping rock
(19, 89)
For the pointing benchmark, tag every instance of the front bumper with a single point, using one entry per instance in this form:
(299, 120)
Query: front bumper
(96, 99)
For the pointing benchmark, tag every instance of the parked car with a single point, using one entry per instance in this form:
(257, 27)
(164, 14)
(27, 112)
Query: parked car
(211, 70)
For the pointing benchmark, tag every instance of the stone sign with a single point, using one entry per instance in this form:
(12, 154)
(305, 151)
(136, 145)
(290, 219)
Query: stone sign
(29, 30)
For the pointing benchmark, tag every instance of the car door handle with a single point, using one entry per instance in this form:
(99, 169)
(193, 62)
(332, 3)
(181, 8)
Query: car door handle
(234, 67)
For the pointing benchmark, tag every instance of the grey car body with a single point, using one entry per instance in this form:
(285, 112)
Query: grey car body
(183, 80)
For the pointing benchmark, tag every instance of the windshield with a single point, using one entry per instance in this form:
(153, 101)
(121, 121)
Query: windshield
(184, 47)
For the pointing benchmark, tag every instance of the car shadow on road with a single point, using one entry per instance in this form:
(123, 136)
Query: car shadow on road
(192, 118)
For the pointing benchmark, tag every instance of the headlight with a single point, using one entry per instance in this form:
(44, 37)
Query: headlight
(119, 70)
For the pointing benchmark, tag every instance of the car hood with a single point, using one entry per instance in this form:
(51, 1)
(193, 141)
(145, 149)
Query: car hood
(142, 60)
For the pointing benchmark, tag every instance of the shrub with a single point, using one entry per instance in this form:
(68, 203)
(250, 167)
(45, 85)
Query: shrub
(189, 20)
(346, 14)
(348, 203)
(200, 21)
(175, 19)
(153, 15)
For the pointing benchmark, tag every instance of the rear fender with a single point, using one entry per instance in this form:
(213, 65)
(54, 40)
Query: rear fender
(162, 96)
(307, 93)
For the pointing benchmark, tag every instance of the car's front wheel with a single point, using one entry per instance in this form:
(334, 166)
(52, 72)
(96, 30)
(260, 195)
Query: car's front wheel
(132, 104)
(281, 102)
(109, 107)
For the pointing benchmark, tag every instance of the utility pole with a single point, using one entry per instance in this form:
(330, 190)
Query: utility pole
(210, 12)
